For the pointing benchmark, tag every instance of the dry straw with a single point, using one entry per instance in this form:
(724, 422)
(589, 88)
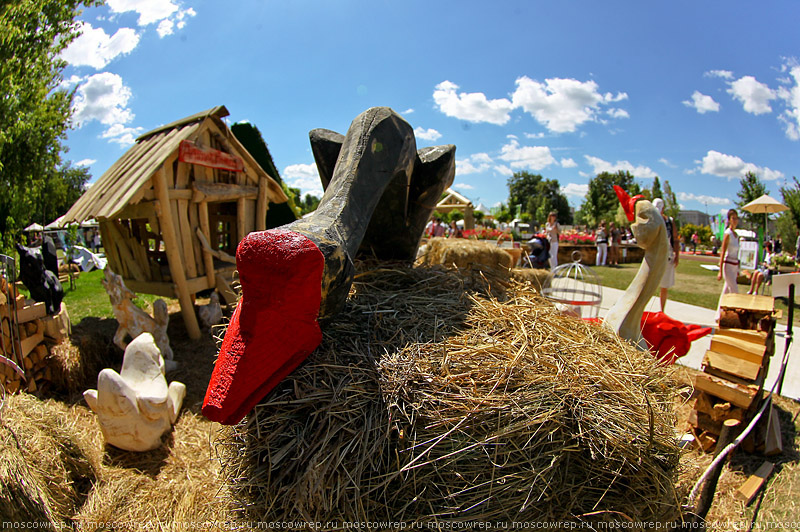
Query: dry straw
(450, 397)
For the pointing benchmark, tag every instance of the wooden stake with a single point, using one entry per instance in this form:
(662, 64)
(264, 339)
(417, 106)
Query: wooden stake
(205, 227)
(173, 246)
(749, 489)
(729, 430)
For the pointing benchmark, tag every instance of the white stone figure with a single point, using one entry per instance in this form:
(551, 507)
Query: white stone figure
(135, 407)
(134, 321)
(210, 314)
(625, 317)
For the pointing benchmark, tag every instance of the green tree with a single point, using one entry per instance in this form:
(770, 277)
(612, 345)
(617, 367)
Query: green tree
(671, 206)
(752, 188)
(601, 201)
(655, 190)
(538, 197)
(34, 111)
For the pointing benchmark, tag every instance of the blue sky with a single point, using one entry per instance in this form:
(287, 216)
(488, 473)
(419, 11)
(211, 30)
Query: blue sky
(696, 93)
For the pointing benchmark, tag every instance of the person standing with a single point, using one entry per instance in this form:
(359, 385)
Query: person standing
(668, 279)
(601, 241)
(695, 239)
(614, 240)
(552, 231)
(455, 230)
(729, 257)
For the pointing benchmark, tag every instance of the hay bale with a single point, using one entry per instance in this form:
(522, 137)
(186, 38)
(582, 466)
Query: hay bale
(463, 253)
(48, 462)
(441, 397)
(539, 278)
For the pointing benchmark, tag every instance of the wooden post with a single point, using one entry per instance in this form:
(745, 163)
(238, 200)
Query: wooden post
(262, 204)
(205, 227)
(173, 246)
(729, 429)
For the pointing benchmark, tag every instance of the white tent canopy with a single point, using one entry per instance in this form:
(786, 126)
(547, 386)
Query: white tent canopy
(34, 227)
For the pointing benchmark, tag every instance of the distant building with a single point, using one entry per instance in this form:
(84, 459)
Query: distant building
(694, 218)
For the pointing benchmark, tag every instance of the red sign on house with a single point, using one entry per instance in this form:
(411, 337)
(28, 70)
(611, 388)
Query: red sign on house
(189, 152)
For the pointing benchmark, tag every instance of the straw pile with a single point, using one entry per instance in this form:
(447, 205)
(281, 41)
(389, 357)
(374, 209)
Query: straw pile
(436, 396)
(463, 253)
(47, 463)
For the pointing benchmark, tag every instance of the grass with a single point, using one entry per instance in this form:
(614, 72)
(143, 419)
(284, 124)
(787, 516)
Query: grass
(694, 284)
(90, 298)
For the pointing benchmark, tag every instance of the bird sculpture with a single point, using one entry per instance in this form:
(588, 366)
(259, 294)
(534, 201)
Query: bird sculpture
(625, 317)
(210, 314)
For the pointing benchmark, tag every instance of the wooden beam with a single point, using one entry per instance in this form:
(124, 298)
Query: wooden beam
(747, 491)
(172, 243)
(151, 287)
(736, 347)
(187, 239)
(262, 204)
(202, 191)
(173, 194)
(733, 365)
(205, 227)
(139, 210)
(737, 394)
(198, 284)
(126, 254)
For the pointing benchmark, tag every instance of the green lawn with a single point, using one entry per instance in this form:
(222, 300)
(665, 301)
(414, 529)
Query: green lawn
(90, 298)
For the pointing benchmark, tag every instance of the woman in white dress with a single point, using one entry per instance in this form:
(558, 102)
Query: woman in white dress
(552, 231)
(729, 257)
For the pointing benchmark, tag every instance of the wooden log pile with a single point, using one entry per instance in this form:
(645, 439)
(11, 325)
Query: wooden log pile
(734, 368)
(26, 332)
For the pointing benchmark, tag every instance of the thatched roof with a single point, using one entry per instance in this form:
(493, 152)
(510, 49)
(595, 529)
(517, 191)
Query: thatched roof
(123, 183)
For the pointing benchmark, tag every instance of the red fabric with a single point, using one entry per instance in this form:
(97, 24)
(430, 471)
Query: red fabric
(668, 338)
(274, 327)
(628, 203)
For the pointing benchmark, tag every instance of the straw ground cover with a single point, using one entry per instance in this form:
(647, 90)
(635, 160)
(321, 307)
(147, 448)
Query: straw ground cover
(437, 396)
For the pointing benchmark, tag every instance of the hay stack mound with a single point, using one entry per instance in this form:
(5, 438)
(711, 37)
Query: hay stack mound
(463, 253)
(47, 463)
(437, 396)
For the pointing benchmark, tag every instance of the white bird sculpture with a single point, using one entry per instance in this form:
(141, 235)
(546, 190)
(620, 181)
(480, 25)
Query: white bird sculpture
(210, 314)
(625, 317)
(135, 407)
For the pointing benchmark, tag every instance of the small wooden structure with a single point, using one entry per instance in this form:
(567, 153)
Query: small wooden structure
(452, 200)
(174, 207)
(731, 384)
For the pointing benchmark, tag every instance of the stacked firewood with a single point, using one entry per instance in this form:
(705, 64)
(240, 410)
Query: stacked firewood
(26, 331)
(734, 368)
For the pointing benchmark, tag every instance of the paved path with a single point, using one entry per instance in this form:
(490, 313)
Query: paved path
(703, 316)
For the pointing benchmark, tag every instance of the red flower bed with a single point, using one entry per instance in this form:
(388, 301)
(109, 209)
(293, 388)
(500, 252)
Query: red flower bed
(577, 239)
(486, 234)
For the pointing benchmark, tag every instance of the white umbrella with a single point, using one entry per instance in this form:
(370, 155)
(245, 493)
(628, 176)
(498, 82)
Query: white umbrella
(34, 227)
(767, 205)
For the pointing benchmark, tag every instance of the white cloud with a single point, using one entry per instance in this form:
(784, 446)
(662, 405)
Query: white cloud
(702, 103)
(305, 177)
(618, 113)
(475, 163)
(600, 166)
(724, 74)
(710, 200)
(575, 190)
(791, 116)
(531, 157)
(464, 186)
(503, 170)
(408, 111)
(539, 135)
(732, 167)
(165, 27)
(473, 107)
(149, 11)
(754, 95)
(103, 97)
(427, 134)
(561, 105)
(95, 48)
(566, 162)
(86, 162)
(667, 163)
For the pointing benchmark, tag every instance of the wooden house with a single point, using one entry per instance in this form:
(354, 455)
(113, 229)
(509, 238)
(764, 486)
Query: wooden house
(452, 200)
(174, 207)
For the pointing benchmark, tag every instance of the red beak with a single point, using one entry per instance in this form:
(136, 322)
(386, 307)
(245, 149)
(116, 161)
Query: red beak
(628, 203)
